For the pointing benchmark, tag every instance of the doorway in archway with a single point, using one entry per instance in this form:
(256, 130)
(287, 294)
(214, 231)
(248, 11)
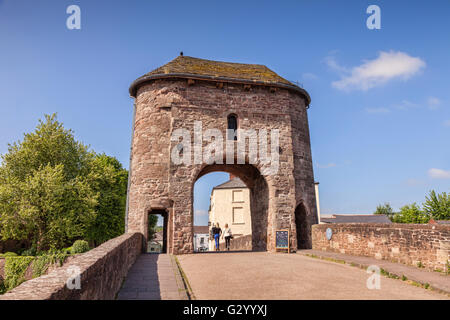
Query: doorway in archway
(301, 227)
(157, 236)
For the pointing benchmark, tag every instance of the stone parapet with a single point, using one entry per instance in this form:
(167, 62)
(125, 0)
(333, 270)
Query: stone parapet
(101, 272)
(425, 246)
(243, 243)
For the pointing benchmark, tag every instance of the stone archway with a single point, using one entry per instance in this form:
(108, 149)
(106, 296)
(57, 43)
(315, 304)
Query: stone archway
(259, 199)
(303, 229)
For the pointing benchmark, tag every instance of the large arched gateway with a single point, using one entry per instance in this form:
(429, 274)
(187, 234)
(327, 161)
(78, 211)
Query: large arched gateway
(195, 116)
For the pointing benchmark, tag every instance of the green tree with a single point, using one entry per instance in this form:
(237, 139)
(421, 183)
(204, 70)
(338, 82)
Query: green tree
(53, 190)
(50, 144)
(152, 221)
(108, 178)
(437, 206)
(411, 214)
(46, 208)
(385, 209)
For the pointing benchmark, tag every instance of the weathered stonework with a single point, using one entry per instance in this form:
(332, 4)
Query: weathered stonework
(102, 271)
(239, 243)
(416, 245)
(156, 183)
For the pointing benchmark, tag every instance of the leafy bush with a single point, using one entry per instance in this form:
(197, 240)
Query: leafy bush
(385, 209)
(68, 250)
(80, 246)
(29, 252)
(2, 286)
(411, 214)
(8, 254)
(42, 262)
(54, 190)
(437, 206)
(15, 268)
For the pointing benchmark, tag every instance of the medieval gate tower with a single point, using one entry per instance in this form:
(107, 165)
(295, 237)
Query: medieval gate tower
(187, 92)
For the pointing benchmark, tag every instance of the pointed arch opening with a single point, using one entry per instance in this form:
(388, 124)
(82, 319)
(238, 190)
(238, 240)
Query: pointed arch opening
(303, 232)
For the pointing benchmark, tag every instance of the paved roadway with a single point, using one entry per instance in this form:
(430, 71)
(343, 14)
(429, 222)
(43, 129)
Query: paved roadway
(262, 275)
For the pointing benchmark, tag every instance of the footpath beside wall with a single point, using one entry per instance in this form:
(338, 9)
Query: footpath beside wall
(425, 246)
(101, 271)
(239, 243)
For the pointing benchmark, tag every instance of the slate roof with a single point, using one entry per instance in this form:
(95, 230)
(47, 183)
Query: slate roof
(231, 184)
(158, 236)
(356, 218)
(195, 68)
(201, 229)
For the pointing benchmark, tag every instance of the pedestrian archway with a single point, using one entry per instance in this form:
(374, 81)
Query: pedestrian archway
(303, 232)
(164, 214)
(247, 220)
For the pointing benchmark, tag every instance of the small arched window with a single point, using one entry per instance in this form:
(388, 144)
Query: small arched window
(232, 125)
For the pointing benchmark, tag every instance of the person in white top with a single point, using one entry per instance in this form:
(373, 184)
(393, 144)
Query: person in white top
(227, 235)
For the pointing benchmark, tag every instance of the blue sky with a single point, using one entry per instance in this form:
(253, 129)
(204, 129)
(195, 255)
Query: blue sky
(379, 118)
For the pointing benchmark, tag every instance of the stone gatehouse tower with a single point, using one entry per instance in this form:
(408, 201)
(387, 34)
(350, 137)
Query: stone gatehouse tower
(189, 90)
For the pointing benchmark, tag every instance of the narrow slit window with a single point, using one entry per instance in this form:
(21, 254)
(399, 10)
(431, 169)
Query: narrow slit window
(232, 125)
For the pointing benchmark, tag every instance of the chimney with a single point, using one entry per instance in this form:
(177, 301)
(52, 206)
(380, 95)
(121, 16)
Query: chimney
(316, 184)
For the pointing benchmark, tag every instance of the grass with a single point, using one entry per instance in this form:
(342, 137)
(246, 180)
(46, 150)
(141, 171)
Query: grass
(189, 291)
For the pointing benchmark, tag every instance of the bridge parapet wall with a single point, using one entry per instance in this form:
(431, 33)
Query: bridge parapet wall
(101, 270)
(424, 246)
(239, 243)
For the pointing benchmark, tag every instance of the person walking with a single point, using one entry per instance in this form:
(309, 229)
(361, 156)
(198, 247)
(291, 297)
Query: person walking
(227, 235)
(217, 232)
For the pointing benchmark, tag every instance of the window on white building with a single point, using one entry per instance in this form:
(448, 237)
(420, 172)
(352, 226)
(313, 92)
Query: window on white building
(238, 215)
(238, 196)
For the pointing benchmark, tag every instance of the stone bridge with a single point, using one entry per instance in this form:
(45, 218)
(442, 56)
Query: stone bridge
(104, 270)
(197, 95)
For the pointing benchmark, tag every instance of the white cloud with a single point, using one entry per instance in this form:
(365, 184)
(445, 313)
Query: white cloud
(439, 173)
(201, 212)
(378, 110)
(406, 105)
(334, 65)
(372, 73)
(433, 103)
(326, 166)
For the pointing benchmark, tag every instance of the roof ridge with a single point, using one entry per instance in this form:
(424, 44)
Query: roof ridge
(229, 181)
(221, 61)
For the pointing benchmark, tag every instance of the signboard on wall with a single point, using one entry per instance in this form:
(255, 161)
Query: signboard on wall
(282, 239)
(329, 233)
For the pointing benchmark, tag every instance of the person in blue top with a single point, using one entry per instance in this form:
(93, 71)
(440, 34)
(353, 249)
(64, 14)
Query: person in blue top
(216, 231)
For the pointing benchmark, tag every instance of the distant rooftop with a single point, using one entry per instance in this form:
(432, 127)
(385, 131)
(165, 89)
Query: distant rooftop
(231, 184)
(356, 218)
(158, 236)
(195, 68)
(432, 221)
(201, 229)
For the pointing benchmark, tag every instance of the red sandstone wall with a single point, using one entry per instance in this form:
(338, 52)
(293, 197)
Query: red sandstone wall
(239, 243)
(404, 243)
(166, 105)
(102, 272)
